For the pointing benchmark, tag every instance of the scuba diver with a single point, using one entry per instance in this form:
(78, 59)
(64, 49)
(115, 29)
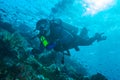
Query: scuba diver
(60, 36)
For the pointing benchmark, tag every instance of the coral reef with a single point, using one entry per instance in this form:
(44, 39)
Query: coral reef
(18, 63)
(6, 26)
(98, 76)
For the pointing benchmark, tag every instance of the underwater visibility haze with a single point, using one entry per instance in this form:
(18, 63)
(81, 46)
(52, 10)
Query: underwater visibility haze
(98, 61)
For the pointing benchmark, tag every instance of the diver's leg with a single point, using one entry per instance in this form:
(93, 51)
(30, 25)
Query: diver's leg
(67, 53)
(62, 61)
(77, 48)
(99, 37)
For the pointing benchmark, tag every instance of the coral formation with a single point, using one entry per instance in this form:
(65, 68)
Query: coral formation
(17, 62)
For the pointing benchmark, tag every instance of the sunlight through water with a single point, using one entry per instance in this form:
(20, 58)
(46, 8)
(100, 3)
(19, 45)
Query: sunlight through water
(94, 6)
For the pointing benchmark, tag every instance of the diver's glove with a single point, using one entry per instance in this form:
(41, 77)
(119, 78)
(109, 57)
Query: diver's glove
(99, 37)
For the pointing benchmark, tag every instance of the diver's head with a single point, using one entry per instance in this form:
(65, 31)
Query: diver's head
(43, 25)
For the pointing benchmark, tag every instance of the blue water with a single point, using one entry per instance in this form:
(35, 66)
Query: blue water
(96, 15)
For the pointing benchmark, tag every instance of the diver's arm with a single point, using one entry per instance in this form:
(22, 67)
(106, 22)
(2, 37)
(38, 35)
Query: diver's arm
(86, 42)
(91, 40)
